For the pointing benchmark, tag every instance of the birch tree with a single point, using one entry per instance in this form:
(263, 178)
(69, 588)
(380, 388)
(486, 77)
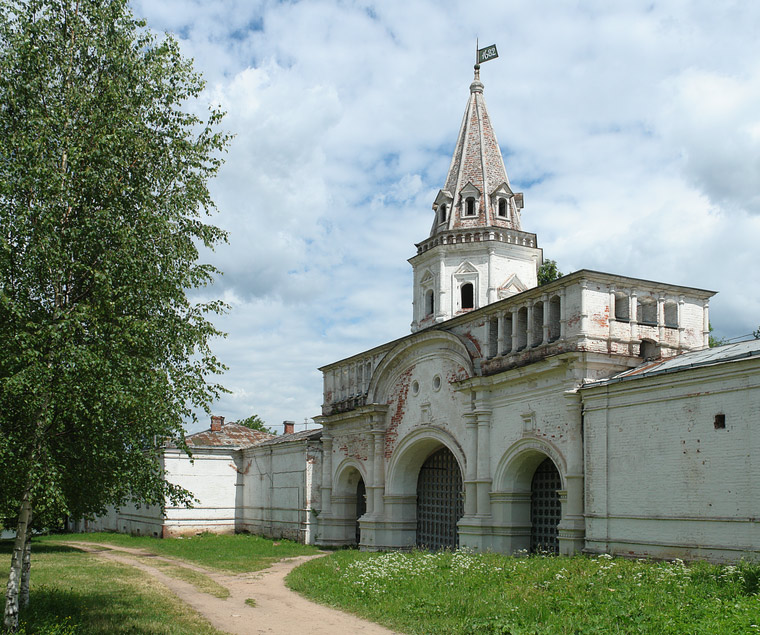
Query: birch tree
(103, 206)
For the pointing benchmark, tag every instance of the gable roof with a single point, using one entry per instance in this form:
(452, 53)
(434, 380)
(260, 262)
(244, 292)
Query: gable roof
(304, 435)
(231, 435)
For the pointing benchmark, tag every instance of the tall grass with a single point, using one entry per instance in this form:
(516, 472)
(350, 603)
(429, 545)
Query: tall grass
(460, 592)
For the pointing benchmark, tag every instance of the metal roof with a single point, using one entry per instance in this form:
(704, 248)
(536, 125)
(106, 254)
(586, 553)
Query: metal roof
(695, 359)
(304, 435)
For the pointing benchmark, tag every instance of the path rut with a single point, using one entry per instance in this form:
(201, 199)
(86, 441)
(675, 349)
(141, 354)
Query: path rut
(278, 610)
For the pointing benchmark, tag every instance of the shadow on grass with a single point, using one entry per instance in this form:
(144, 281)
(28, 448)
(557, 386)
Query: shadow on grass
(91, 611)
(6, 547)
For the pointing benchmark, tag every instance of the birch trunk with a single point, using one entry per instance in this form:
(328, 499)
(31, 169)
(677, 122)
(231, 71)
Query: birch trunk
(14, 579)
(26, 566)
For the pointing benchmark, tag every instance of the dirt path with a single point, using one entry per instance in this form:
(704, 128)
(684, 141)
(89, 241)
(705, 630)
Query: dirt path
(278, 610)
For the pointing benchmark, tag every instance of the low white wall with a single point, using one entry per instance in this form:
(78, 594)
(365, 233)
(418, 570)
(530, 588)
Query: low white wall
(661, 479)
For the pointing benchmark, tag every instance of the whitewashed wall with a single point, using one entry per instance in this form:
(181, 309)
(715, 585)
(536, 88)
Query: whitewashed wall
(661, 480)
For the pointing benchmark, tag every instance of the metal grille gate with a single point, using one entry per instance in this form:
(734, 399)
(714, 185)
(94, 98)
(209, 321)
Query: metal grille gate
(361, 506)
(439, 501)
(545, 510)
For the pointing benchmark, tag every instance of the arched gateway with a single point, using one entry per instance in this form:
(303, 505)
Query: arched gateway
(545, 508)
(439, 501)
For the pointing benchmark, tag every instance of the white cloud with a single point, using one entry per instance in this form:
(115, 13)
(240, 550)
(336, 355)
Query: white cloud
(633, 131)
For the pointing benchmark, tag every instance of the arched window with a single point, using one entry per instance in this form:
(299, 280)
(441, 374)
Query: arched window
(429, 302)
(467, 296)
(469, 209)
(442, 218)
(502, 212)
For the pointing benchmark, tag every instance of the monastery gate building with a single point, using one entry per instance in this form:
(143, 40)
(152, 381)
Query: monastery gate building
(586, 414)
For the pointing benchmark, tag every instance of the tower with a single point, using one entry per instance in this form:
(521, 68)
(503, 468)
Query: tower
(477, 252)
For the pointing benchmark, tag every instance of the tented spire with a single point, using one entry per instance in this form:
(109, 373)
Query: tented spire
(477, 191)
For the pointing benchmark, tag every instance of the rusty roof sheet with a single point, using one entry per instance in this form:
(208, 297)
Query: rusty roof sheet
(304, 435)
(231, 435)
(695, 359)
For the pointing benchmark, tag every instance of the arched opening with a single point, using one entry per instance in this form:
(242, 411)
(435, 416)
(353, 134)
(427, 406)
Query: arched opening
(545, 508)
(622, 303)
(507, 333)
(429, 302)
(468, 296)
(522, 329)
(648, 349)
(538, 324)
(554, 318)
(442, 218)
(440, 501)
(361, 507)
(349, 504)
(502, 208)
(671, 315)
(646, 312)
(469, 206)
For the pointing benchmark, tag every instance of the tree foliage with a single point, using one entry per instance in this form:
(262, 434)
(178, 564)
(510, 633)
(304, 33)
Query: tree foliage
(548, 272)
(713, 341)
(254, 422)
(103, 194)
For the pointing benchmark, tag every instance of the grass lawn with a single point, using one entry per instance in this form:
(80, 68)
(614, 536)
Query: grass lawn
(442, 593)
(233, 554)
(73, 592)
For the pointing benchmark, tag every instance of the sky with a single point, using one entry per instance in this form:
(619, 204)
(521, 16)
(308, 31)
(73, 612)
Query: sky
(633, 130)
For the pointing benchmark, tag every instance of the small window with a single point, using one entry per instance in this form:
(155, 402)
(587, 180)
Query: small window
(720, 422)
(442, 215)
(467, 296)
(502, 208)
(429, 302)
(469, 209)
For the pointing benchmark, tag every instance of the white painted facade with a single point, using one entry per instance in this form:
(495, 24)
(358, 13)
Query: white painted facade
(587, 412)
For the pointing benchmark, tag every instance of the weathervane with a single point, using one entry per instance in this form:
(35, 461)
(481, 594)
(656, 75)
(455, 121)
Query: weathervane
(484, 54)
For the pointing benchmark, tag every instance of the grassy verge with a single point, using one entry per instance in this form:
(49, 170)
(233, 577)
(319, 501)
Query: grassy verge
(73, 592)
(200, 581)
(233, 554)
(442, 593)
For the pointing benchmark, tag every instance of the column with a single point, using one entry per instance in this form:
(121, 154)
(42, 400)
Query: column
(529, 329)
(470, 475)
(562, 317)
(514, 311)
(547, 311)
(680, 322)
(612, 309)
(572, 528)
(378, 480)
(706, 323)
(440, 311)
(584, 307)
(491, 274)
(661, 318)
(634, 315)
(326, 474)
(483, 419)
